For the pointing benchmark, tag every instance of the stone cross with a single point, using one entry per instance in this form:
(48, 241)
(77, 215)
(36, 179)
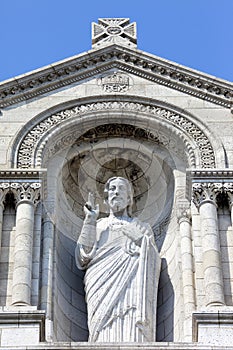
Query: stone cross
(110, 31)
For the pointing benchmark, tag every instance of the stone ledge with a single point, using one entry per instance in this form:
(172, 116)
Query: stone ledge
(119, 346)
(214, 326)
(25, 325)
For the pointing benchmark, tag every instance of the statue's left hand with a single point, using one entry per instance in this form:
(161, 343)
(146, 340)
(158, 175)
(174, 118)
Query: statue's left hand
(135, 231)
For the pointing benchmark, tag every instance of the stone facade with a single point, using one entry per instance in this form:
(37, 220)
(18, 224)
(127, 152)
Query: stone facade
(64, 130)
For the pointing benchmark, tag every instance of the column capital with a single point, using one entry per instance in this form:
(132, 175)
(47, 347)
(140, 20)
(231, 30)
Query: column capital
(26, 191)
(4, 188)
(206, 192)
(183, 211)
(228, 189)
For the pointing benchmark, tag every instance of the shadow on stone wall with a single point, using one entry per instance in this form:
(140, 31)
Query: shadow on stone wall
(70, 313)
(7, 240)
(165, 306)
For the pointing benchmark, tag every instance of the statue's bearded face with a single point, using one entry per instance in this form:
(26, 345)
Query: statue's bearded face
(118, 196)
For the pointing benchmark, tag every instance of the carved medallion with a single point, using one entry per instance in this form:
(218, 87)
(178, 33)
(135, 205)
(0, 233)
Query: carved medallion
(116, 82)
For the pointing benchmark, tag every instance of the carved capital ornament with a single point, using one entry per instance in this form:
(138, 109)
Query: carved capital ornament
(26, 191)
(228, 189)
(183, 212)
(205, 192)
(29, 191)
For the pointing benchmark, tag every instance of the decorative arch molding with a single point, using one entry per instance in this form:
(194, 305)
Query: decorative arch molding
(28, 146)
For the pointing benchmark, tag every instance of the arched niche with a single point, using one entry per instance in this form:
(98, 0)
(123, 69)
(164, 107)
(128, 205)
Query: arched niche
(84, 165)
(84, 144)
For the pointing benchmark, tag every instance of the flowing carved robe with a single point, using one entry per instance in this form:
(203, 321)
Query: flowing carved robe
(121, 282)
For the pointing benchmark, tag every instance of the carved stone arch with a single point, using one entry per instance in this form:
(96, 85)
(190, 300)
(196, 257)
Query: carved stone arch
(75, 130)
(199, 145)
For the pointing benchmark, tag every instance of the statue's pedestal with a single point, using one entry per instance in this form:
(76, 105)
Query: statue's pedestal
(213, 326)
(21, 326)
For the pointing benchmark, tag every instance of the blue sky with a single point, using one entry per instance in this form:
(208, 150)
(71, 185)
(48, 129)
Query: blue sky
(194, 33)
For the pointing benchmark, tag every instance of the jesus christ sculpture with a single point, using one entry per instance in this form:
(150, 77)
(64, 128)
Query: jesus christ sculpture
(122, 269)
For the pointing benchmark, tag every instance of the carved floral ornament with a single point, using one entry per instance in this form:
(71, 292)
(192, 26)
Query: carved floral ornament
(29, 191)
(183, 211)
(29, 152)
(209, 191)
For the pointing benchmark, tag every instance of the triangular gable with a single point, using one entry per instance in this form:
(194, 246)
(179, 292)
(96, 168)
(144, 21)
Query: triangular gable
(120, 57)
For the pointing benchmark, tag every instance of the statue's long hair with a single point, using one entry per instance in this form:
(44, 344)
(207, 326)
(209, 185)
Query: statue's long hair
(129, 192)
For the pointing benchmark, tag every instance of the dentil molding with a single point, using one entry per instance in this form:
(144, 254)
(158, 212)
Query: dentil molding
(124, 59)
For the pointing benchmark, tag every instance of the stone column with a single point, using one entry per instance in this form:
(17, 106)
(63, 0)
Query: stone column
(228, 189)
(36, 255)
(3, 190)
(47, 264)
(184, 220)
(204, 196)
(47, 267)
(27, 196)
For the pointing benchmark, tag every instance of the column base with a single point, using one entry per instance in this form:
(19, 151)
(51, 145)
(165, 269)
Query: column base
(21, 326)
(213, 326)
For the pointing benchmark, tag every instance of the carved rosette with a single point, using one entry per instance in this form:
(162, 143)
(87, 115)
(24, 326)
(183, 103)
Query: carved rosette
(26, 191)
(202, 192)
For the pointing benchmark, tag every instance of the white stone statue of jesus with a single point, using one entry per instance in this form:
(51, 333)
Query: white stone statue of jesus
(122, 269)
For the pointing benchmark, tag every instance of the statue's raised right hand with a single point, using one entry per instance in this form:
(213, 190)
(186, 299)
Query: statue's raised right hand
(91, 210)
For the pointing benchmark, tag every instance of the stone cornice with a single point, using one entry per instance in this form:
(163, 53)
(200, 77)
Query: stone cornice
(21, 174)
(132, 61)
(210, 175)
(207, 176)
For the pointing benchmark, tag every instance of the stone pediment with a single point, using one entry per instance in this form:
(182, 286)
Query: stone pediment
(124, 59)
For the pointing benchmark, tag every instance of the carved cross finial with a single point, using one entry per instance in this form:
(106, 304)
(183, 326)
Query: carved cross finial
(114, 31)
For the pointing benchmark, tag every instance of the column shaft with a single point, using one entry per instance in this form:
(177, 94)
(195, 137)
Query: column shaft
(22, 273)
(213, 278)
(47, 266)
(231, 206)
(1, 221)
(36, 256)
(187, 275)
